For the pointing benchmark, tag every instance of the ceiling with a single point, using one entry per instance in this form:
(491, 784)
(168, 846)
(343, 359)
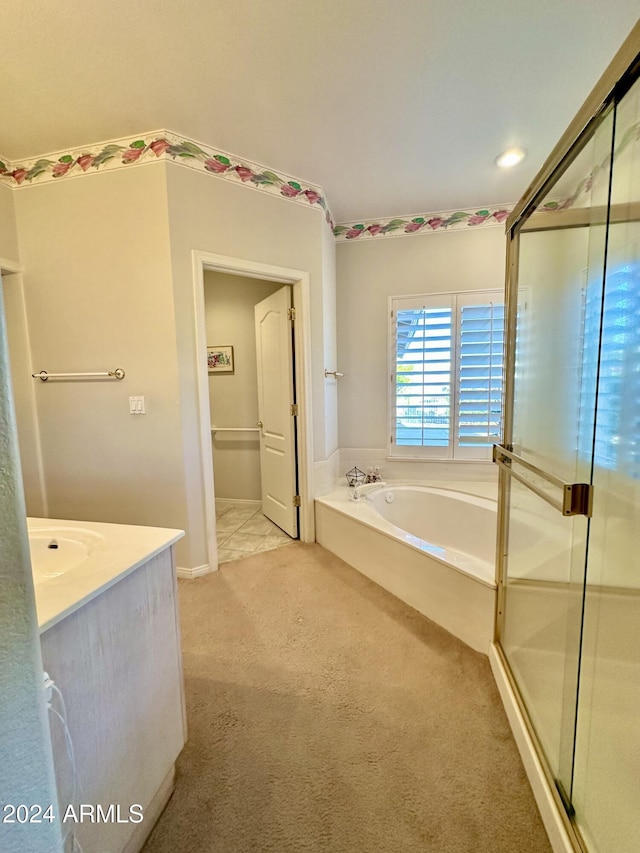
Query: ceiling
(392, 106)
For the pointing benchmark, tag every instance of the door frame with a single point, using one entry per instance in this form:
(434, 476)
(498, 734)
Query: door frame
(299, 279)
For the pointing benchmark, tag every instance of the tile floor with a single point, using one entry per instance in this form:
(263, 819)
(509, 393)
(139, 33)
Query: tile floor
(243, 529)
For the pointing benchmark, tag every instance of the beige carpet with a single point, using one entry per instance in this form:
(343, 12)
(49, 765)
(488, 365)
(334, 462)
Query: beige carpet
(326, 715)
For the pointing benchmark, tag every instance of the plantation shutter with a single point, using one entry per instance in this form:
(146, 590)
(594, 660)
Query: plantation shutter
(423, 376)
(481, 354)
(446, 354)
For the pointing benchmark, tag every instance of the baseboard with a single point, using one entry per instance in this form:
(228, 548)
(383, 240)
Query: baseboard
(151, 814)
(549, 811)
(223, 501)
(189, 574)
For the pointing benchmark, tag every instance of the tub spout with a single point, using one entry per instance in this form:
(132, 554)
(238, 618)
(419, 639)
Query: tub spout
(366, 487)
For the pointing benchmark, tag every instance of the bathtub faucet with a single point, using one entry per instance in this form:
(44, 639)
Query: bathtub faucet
(366, 487)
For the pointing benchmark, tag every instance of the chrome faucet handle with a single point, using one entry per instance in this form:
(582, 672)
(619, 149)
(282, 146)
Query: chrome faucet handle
(366, 487)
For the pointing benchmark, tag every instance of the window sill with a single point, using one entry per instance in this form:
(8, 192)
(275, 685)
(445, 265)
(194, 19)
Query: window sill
(439, 460)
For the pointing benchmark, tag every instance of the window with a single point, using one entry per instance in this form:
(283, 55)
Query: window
(446, 374)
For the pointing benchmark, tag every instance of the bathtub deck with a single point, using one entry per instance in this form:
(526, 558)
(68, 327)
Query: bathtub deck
(461, 603)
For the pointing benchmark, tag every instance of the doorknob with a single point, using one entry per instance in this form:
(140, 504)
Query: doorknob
(260, 425)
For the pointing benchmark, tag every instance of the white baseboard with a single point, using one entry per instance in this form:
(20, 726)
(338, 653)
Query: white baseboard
(151, 814)
(549, 810)
(223, 501)
(189, 574)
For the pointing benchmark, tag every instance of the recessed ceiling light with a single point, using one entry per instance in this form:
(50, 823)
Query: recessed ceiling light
(510, 157)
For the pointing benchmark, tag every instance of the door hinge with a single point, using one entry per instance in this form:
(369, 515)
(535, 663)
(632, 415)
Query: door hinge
(295, 411)
(291, 314)
(296, 500)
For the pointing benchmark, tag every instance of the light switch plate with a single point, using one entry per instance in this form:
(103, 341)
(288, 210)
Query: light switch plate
(137, 406)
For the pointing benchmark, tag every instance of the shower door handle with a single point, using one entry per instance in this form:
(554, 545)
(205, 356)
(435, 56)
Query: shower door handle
(577, 498)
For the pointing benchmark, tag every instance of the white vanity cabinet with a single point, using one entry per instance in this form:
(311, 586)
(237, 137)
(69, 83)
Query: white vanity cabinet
(117, 661)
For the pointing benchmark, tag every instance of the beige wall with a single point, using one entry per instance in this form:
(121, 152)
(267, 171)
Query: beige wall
(8, 230)
(24, 388)
(227, 219)
(26, 765)
(20, 359)
(329, 319)
(233, 397)
(108, 282)
(368, 273)
(99, 295)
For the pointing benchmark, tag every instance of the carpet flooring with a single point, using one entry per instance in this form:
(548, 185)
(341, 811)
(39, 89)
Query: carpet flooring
(326, 715)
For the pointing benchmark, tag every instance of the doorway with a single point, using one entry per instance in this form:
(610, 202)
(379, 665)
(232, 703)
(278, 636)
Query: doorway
(251, 393)
(255, 423)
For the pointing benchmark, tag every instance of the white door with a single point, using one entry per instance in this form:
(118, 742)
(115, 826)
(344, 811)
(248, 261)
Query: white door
(274, 353)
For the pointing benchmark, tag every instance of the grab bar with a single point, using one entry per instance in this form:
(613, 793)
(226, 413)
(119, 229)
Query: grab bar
(577, 498)
(118, 373)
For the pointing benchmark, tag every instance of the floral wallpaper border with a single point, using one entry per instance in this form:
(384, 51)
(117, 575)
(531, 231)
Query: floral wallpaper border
(164, 144)
(159, 145)
(425, 223)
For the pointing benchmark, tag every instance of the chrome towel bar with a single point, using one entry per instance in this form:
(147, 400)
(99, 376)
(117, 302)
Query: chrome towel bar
(118, 373)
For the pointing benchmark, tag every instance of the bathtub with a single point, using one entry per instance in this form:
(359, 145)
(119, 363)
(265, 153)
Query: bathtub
(72, 562)
(432, 547)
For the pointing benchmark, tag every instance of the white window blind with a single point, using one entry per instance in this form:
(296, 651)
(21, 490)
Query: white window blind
(481, 360)
(423, 377)
(446, 373)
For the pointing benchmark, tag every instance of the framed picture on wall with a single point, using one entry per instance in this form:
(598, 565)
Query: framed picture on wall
(220, 359)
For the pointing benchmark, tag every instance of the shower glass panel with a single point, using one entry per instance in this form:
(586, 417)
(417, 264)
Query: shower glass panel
(561, 261)
(606, 790)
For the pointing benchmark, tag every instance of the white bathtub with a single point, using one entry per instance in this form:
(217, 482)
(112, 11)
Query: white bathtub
(434, 548)
(74, 561)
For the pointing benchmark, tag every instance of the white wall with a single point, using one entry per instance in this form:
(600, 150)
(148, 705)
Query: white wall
(233, 397)
(368, 273)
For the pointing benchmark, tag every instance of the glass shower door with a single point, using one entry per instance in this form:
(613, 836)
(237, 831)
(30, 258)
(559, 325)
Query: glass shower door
(606, 790)
(561, 249)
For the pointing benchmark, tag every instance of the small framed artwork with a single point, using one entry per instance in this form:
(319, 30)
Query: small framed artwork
(220, 359)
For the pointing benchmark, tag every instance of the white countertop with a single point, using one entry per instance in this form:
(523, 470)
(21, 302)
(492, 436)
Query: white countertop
(121, 549)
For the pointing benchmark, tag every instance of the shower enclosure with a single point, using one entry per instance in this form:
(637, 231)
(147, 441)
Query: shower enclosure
(568, 626)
